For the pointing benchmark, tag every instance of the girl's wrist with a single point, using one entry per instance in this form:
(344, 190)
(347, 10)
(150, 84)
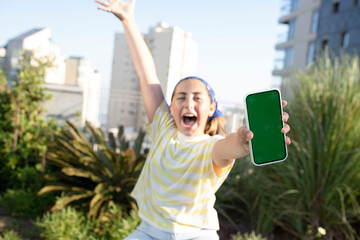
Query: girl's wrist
(128, 20)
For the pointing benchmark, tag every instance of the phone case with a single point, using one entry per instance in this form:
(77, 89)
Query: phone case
(269, 144)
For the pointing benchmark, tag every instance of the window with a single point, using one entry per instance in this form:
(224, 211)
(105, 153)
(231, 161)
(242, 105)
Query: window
(288, 57)
(335, 7)
(324, 43)
(315, 21)
(311, 53)
(292, 27)
(345, 37)
(279, 59)
(294, 5)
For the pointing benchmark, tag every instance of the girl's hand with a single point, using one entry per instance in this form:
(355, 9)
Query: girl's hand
(286, 127)
(122, 10)
(243, 137)
(244, 134)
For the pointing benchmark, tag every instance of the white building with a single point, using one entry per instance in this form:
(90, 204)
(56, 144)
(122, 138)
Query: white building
(81, 73)
(64, 110)
(2, 57)
(175, 56)
(234, 117)
(67, 80)
(39, 42)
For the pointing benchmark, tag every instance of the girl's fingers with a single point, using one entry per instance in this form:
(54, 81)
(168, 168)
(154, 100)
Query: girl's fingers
(287, 141)
(106, 9)
(284, 103)
(285, 117)
(105, 4)
(245, 133)
(249, 135)
(285, 129)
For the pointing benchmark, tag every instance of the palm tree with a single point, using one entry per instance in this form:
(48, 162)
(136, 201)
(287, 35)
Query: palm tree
(91, 173)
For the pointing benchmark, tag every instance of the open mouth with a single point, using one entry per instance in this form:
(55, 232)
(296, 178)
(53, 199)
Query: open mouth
(189, 120)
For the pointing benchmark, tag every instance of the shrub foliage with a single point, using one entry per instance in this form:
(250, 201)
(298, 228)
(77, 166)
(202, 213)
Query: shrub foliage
(315, 192)
(93, 175)
(318, 186)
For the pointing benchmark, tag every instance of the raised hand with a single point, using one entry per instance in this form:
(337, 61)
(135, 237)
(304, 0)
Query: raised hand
(122, 10)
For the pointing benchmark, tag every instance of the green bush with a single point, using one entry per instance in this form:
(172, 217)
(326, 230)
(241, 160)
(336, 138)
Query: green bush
(24, 133)
(318, 186)
(24, 203)
(22, 199)
(66, 224)
(27, 178)
(116, 224)
(72, 224)
(246, 236)
(10, 235)
(19, 202)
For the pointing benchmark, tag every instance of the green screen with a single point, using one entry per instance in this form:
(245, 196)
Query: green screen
(264, 116)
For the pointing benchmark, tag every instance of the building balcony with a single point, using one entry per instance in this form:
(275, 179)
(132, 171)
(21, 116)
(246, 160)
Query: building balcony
(282, 62)
(287, 10)
(284, 45)
(282, 37)
(282, 72)
(286, 19)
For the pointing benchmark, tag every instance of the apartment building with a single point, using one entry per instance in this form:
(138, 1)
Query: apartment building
(80, 72)
(339, 27)
(313, 26)
(73, 82)
(293, 48)
(175, 56)
(234, 118)
(39, 42)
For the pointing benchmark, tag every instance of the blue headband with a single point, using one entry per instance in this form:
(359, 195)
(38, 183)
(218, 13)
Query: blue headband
(217, 112)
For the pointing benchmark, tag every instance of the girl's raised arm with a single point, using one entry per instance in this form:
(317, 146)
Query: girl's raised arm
(140, 53)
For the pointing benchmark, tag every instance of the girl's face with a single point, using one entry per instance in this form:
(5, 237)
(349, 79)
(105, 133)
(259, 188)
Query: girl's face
(191, 107)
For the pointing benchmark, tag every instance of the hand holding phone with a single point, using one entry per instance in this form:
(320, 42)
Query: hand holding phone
(264, 118)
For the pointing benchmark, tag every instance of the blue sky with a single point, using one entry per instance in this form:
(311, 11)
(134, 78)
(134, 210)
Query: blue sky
(236, 37)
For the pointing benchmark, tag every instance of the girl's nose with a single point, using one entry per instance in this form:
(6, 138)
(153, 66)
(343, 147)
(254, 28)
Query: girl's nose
(189, 104)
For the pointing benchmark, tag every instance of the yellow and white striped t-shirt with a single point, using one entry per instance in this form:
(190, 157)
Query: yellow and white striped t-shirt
(176, 188)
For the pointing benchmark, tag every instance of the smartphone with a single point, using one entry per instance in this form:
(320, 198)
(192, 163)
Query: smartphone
(264, 118)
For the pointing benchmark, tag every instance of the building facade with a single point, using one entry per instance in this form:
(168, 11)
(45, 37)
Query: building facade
(38, 41)
(234, 118)
(80, 72)
(175, 56)
(339, 27)
(292, 50)
(67, 79)
(60, 109)
(312, 27)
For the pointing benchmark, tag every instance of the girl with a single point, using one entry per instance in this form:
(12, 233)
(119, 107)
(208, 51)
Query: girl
(188, 161)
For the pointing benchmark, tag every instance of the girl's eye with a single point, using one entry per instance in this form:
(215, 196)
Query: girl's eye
(181, 98)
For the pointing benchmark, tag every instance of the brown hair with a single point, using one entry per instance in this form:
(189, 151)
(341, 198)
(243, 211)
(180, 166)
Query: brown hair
(215, 126)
